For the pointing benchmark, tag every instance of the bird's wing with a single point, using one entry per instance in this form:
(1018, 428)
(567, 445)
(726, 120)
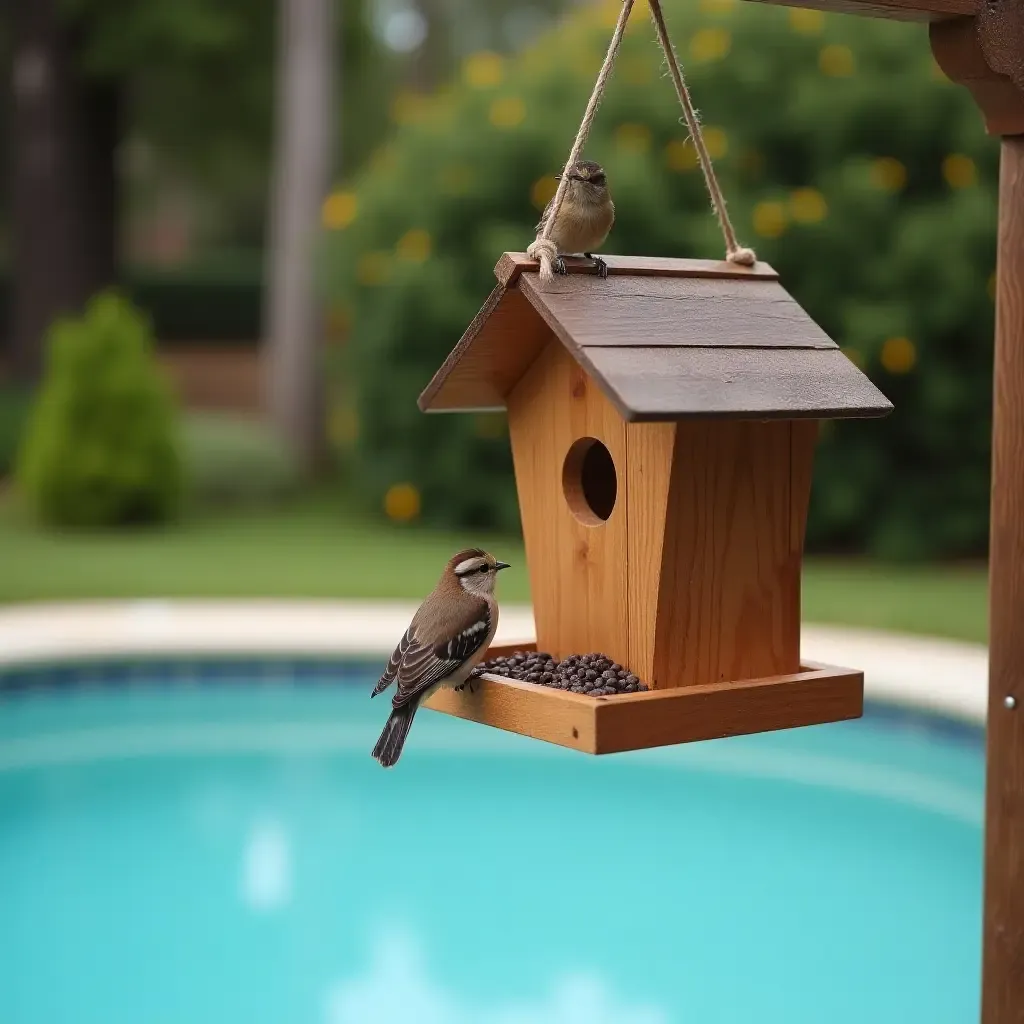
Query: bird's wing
(425, 664)
(395, 661)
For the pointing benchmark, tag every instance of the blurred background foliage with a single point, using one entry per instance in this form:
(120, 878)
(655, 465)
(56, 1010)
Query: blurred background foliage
(101, 446)
(851, 164)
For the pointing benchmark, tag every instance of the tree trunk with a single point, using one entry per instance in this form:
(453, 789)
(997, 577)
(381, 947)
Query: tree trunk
(65, 129)
(303, 145)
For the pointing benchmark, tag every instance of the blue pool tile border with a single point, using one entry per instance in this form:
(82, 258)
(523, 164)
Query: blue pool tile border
(334, 670)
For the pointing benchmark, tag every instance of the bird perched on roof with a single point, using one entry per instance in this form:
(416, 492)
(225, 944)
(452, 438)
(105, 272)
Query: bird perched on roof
(445, 641)
(585, 217)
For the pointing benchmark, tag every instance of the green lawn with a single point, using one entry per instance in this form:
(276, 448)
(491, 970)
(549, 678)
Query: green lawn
(318, 548)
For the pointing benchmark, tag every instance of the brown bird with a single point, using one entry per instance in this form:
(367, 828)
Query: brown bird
(585, 217)
(446, 640)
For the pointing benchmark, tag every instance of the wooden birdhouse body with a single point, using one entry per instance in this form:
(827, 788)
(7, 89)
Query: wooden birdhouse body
(663, 424)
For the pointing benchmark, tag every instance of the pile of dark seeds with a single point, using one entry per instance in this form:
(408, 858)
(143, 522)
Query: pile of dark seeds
(592, 674)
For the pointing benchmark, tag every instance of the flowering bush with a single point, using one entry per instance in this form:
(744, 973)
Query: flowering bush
(852, 166)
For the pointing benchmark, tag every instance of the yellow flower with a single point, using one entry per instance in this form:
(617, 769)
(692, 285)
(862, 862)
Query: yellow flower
(888, 173)
(507, 112)
(855, 356)
(680, 155)
(806, 21)
(402, 502)
(898, 355)
(635, 138)
(836, 61)
(373, 268)
(769, 219)
(710, 44)
(339, 210)
(542, 191)
(717, 142)
(959, 171)
(807, 206)
(483, 70)
(414, 246)
(456, 179)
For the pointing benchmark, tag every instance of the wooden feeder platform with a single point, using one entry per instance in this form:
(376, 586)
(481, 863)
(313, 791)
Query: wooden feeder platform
(814, 695)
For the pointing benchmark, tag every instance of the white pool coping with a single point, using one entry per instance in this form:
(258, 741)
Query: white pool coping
(941, 676)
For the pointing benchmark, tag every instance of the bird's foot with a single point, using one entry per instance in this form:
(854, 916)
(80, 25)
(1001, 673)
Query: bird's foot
(559, 266)
(602, 267)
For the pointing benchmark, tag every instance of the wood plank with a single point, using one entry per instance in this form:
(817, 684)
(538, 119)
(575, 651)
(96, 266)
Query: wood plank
(803, 443)
(577, 569)
(698, 713)
(729, 592)
(895, 10)
(493, 354)
(665, 383)
(512, 264)
(649, 447)
(1003, 966)
(635, 721)
(675, 312)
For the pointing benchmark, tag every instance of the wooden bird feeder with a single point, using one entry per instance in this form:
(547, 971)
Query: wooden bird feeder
(663, 425)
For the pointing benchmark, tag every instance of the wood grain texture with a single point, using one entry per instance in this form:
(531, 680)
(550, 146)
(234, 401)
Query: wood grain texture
(512, 264)
(1003, 968)
(729, 585)
(983, 54)
(895, 10)
(492, 355)
(636, 721)
(578, 572)
(666, 383)
(678, 312)
(649, 448)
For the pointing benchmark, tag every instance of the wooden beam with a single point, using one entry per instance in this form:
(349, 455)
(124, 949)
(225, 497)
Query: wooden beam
(1003, 970)
(898, 10)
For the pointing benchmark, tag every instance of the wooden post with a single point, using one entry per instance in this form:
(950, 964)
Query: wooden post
(1003, 971)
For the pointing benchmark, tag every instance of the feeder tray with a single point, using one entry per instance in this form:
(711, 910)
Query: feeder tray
(663, 424)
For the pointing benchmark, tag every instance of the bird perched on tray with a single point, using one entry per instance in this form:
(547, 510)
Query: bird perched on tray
(585, 217)
(447, 638)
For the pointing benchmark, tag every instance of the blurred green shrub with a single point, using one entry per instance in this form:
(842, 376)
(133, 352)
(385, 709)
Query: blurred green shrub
(235, 462)
(101, 448)
(14, 407)
(852, 165)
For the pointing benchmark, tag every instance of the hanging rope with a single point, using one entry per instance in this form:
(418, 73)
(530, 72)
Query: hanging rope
(542, 248)
(734, 252)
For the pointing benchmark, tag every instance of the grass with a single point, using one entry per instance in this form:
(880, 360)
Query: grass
(319, 548)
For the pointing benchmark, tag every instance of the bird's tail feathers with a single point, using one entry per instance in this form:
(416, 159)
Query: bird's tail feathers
(389, 747)
(382, 684)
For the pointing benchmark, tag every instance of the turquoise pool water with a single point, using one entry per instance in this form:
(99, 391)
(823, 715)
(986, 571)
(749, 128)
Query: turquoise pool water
(230, 854)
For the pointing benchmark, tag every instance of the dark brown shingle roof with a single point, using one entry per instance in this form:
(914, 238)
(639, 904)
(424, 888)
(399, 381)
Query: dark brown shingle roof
(664, 339)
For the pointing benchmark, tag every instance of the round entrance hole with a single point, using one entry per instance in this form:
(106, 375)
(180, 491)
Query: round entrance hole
(589, 481)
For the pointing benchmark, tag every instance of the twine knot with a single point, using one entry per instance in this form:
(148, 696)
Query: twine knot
(545, 252)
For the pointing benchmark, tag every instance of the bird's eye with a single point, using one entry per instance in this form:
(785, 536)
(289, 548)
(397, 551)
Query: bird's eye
(598, 179)
(485, 568)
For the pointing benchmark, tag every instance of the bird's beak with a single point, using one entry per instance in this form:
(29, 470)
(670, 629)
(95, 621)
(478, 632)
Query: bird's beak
(501, 565)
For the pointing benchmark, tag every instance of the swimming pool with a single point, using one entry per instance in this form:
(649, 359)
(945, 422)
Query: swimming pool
(229, 852)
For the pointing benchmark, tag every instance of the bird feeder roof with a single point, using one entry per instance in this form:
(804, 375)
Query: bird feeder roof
(664, 339)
